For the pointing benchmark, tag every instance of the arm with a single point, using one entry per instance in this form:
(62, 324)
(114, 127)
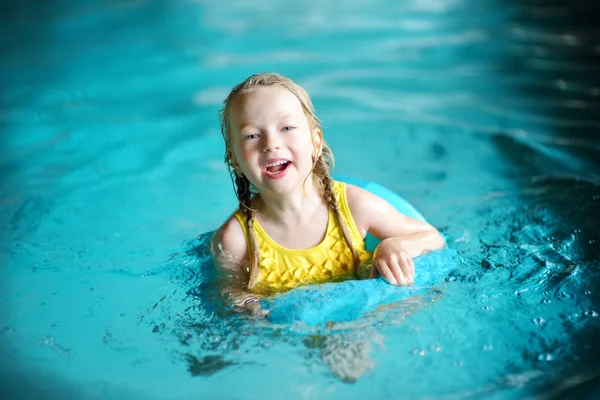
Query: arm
(230, 256)
(402, 237)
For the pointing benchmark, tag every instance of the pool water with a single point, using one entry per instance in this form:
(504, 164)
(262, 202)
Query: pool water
(484, 115)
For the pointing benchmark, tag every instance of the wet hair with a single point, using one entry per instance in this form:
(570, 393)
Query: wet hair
(320, 171)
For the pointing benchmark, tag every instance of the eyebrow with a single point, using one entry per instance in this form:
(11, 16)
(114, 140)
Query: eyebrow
(245, 124)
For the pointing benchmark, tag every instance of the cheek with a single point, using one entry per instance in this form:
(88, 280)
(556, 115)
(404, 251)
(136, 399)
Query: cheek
(248, 154)
(247, 151)
(239, 155)
(308, 148)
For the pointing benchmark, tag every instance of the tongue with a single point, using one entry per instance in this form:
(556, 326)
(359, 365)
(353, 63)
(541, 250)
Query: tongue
(277, 168)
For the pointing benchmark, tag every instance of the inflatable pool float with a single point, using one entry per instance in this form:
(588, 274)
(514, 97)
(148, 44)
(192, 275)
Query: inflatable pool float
(349, 300)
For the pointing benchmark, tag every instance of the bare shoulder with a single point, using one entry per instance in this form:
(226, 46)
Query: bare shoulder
(228, 246)
(357, 196)
(361, 200)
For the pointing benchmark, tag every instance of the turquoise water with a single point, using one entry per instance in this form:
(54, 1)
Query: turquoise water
(485, 116)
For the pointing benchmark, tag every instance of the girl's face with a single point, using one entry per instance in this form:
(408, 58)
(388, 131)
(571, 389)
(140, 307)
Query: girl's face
(271, 140)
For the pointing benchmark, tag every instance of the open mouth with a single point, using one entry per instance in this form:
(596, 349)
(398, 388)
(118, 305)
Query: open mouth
(276, 168)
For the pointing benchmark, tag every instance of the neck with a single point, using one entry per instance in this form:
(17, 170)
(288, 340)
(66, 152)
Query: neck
(293, 207)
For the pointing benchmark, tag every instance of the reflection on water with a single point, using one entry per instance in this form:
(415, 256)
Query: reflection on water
(484, 115)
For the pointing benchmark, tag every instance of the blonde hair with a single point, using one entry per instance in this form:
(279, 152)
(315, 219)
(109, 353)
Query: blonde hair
(320, 171)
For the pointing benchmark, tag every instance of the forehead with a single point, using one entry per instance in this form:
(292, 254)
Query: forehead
(264, 103)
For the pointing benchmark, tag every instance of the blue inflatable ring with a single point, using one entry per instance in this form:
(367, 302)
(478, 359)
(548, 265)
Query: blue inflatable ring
(349, 300)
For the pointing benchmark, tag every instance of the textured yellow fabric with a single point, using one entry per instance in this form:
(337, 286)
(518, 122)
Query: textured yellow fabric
(282, 269)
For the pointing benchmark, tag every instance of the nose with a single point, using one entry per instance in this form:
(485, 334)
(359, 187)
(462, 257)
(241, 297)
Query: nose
(271, 142)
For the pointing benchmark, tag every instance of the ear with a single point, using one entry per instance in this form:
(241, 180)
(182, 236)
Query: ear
(234, 162)
(317, 140)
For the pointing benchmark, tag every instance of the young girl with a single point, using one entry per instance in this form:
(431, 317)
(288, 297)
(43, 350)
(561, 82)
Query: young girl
(295, 225)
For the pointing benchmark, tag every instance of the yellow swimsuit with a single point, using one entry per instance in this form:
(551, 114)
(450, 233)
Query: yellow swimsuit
(282, 269)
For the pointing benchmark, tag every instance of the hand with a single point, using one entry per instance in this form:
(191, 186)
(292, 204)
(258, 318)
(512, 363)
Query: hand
(392, 261)
(249, 304)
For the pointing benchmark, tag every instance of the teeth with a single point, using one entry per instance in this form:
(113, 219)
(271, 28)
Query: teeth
(272, 164)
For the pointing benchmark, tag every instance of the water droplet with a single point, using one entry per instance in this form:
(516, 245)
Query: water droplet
(488, 347)
(487, 308)
(422, 353)
(545, 357)
(518, 292)
(546, 301)
(588, 292)
(591, 313)
(565, 295)
(539, 321)
(415, 351)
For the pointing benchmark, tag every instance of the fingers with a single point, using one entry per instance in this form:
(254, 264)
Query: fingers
(396, 266)
(386, 272)
(407, 266)
(411, 268)
(253, 308)
(249, 304)
(398, 270)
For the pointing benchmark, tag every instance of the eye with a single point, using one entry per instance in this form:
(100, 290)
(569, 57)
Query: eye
(288, 128)
(251, 136)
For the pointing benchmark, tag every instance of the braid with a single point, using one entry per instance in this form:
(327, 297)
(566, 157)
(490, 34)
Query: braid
(322, 171)
(321, 176)
(244, 196)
